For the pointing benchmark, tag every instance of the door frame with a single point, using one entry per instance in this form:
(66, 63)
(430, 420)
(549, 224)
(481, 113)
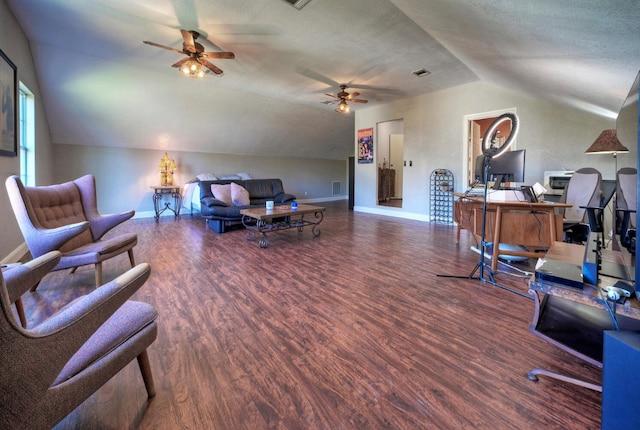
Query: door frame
(466, 137)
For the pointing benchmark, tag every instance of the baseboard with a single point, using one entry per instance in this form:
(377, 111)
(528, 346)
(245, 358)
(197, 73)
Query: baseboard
(323, 199)
(16, 255)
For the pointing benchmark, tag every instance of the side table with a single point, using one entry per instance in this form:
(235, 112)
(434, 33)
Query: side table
(159, 192)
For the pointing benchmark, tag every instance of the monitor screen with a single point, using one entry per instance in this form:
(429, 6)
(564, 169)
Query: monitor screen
(508, 167)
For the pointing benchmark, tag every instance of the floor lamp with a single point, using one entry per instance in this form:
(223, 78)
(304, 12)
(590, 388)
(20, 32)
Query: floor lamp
(490, 151)
(608, 143)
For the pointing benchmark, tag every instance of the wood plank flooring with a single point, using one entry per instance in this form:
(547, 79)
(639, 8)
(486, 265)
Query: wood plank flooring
(350, 330)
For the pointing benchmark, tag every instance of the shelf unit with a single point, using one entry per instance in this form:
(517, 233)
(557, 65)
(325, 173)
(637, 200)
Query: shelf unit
(441, 202)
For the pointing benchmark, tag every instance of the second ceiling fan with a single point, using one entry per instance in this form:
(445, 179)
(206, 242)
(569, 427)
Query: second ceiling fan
(196, 64)
(344, 97)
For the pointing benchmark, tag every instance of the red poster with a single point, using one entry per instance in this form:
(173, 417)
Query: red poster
(365, 145)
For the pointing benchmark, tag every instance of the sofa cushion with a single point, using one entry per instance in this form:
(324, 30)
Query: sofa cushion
(222, 193)
(262, 189)
(239, 195)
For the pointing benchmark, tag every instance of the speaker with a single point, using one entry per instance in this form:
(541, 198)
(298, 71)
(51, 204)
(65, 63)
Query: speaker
(620, 380)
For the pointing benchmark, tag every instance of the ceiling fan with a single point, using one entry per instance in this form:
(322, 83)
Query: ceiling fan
(344, 97)
(196, 64)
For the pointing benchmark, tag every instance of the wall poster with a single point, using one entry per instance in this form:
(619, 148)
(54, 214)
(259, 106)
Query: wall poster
(365, 145)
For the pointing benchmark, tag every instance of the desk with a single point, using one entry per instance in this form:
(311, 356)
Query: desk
(159, 191)
(518, 223)
(574, 319)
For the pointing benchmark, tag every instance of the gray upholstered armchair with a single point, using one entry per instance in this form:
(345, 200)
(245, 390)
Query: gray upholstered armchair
(50, 369)
(19, 278)
(65, 217)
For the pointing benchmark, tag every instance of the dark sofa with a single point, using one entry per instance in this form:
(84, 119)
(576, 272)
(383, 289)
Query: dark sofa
(220, 216)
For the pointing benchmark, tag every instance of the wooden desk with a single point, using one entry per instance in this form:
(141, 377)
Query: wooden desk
(518, 223)
(575, 319)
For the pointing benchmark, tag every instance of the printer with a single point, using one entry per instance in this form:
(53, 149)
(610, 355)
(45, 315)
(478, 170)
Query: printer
(555, 181)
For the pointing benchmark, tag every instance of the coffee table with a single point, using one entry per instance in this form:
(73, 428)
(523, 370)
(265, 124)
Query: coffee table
(262, 221)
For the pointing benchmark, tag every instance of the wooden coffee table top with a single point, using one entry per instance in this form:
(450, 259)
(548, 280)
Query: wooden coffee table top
(280, 211)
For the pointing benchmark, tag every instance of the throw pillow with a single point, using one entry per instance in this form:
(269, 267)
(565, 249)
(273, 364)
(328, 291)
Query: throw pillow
(207, 177)
(239, 195)
(222, 193)
(244, 176)
(229, 177)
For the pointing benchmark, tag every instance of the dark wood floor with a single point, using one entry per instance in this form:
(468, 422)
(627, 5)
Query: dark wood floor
(351, 330)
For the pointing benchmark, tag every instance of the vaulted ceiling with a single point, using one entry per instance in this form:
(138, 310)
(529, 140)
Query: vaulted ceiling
(102, 86)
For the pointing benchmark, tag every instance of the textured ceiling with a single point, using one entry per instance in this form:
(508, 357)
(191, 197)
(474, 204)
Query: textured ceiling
(101, 85)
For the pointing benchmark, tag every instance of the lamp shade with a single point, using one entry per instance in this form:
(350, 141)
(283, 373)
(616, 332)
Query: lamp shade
(343, 107)
(607, 143)
(193, 69)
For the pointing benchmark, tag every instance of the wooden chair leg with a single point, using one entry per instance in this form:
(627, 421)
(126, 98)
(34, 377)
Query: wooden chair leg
(98, 274)
(145, 370)
(20, 309)
(35, 286)
(131, 259)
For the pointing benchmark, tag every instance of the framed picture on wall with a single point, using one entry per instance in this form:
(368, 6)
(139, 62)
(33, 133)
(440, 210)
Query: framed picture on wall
(8, 113)
(365, 145)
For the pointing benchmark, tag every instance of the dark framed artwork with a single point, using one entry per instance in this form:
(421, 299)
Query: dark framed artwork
(365, 145)
(8, 113)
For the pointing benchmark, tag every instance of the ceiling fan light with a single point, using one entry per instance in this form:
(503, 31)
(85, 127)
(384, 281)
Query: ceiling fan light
(193, 69)
(343, 107)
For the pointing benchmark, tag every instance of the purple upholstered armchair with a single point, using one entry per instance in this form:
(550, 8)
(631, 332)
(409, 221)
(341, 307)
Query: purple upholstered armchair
(50, 369)
(65, 217)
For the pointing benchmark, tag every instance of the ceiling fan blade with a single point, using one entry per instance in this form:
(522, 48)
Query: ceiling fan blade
(331, 95)
(358, 101)
(211, 67)
(181, 62)
(353, 94)
(222, 55)
(189, 43)
(157, 45)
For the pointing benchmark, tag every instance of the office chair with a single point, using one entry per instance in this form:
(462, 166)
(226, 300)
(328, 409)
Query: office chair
(583, 191)
(625, 205)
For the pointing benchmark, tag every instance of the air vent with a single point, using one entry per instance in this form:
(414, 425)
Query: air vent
(421, 72)
(298, 4)
(335, 187)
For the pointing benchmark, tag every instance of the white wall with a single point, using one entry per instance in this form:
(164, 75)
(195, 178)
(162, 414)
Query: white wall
(16, 46)
(124, 176)
(555, 138)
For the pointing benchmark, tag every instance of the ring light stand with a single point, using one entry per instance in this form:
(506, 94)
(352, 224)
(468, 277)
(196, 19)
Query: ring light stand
(490, 151)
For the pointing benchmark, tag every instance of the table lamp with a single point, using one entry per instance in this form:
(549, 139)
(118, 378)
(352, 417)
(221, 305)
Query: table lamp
(167, 167)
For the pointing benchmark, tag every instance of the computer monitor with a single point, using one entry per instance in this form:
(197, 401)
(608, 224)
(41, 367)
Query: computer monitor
(508, 167)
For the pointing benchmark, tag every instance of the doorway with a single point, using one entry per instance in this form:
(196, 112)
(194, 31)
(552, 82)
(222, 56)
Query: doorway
(476, 126)
(390, 156)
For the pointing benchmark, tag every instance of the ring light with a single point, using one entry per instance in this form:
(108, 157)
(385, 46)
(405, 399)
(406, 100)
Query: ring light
(491, 151)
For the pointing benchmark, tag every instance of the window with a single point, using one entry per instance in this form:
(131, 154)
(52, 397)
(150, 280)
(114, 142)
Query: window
(27, 138)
